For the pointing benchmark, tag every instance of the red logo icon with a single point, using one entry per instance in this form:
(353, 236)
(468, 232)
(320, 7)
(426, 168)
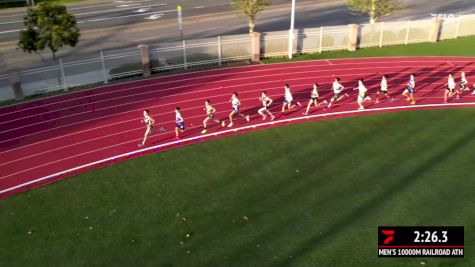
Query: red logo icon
(389, 234)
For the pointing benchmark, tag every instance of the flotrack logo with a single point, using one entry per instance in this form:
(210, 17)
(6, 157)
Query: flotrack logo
(444, 16)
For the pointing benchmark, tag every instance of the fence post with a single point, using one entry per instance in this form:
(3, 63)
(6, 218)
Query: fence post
(184, 55)
(290, 49)
(220, 55)
(457, 29)
(381, 35)
(434, 33)
(320, 45)
(408, 27)
(145, 57)
(104, 71)
(15, 83)
(256, 47)
(353, 37)
(63, 76)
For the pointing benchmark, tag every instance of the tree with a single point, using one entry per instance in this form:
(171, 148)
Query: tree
(249, 8)
(374, 8)
(49, 25)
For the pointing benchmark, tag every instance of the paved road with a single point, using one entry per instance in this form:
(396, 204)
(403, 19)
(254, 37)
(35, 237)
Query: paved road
(96, 15)
(118, 24)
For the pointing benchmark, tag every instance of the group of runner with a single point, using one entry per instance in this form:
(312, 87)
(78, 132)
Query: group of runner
(451, 91)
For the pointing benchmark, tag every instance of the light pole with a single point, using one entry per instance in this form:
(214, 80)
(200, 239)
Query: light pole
(291, 30)
(180, 21)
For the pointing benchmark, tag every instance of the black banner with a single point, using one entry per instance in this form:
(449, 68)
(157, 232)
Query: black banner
(420, 241)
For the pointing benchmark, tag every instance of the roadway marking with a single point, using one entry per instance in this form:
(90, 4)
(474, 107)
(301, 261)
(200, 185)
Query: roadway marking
(126, 16)
(10, 22)
(146, 39)
(155, 16)
(110, 11)
(145, 9)
(89, 13)
(10, 31)
(127, 5)
(199, 7)
(21, 13)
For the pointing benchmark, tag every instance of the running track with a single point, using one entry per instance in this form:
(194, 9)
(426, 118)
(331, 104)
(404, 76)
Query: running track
(54, 138)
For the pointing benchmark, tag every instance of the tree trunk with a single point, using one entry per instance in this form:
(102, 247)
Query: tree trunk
(251, 26)
(372, 13)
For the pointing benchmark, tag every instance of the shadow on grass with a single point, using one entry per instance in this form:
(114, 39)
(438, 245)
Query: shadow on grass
(378, 200)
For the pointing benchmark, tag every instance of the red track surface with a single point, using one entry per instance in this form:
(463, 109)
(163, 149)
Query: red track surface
(50, 139)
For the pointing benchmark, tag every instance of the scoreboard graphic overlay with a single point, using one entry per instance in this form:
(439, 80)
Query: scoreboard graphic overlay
(420, 241)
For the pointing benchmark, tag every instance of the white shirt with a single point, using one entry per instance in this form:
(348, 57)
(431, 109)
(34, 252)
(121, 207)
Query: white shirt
(451, 83)
(362, 89)
(178, 116)
(314, 93)
(264, 101)
(384, 85)
(288, 94)
(209, 109)
(337, 87)
(147, 120)
(235, 102)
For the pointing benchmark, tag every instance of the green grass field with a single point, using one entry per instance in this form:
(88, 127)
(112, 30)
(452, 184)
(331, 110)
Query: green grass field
(454, 47)
(310, 194)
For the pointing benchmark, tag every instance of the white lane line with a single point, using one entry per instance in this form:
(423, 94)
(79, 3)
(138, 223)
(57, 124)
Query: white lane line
(170, 122)
(235, 70)
(138, 87)
(164, 123)
(172, 89)
(204, 136)
(162, 114)
(162, 97)
(199, 7)
(188, 79)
